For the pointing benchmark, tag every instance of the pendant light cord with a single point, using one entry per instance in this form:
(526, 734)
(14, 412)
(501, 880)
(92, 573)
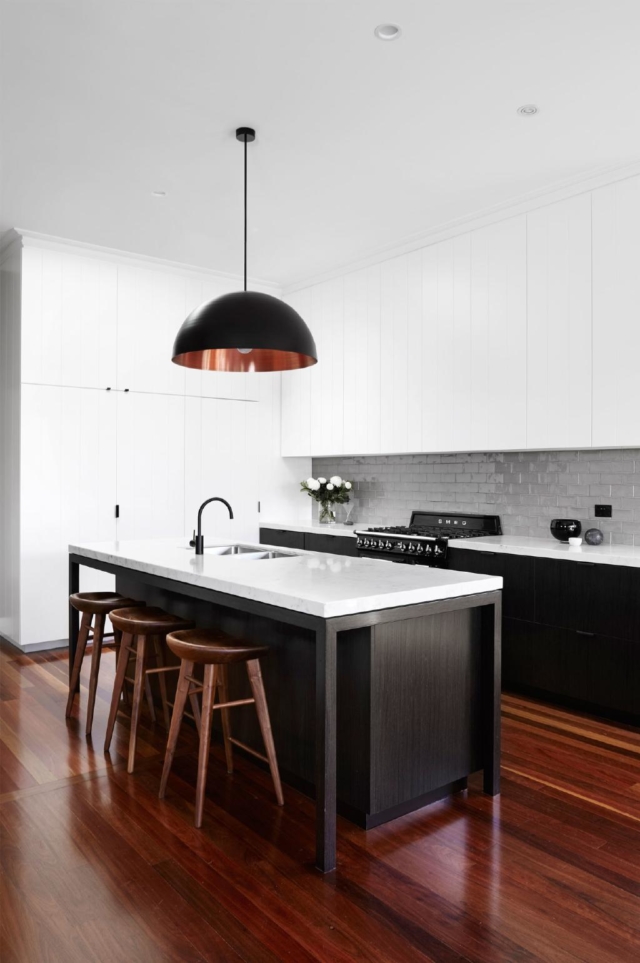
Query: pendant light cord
(245, 212)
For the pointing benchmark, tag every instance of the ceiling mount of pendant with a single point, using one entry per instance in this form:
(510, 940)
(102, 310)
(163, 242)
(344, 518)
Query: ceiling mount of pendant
(246, 330)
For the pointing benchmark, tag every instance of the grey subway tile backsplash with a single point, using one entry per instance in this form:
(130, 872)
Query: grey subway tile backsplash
(527, 489)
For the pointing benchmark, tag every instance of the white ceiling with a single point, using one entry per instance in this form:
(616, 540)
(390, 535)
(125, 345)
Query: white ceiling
(360, 143)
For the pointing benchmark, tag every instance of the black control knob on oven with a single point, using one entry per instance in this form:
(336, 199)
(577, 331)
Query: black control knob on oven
(388, 545)
(428, 549)
(401, 546)
(365, 543)
(358, 543)
(419, 550)
(412, 547)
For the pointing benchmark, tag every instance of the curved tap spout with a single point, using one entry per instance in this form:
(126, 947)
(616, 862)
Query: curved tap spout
(199, 539)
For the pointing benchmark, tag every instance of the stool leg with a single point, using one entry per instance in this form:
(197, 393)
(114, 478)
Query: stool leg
(226, 724)
(208, 696)
(195, 709)
(138, 686)
(83, 635)
(121, 671)
(98, 633)
(158, 642)
(255, 678)
(117, 641)
(149, 697)
(182, 691)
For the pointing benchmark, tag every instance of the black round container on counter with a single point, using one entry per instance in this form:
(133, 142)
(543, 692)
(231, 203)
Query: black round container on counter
(565, 528)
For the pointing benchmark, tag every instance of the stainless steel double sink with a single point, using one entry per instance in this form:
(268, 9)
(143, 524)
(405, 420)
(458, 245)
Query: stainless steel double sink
(245, 552)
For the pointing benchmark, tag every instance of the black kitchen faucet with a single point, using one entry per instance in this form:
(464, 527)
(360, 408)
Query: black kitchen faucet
(198, 539)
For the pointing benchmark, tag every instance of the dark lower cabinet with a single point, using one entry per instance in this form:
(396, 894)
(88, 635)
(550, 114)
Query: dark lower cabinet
(584, 669)
(310, 541)
(516, 570)
(334, 544)
(571, 629)
(282, 537)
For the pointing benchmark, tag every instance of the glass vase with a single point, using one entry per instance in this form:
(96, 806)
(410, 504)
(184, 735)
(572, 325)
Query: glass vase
(327, 514)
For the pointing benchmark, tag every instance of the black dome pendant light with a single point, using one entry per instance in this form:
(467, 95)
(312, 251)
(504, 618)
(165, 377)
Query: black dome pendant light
(246, 330)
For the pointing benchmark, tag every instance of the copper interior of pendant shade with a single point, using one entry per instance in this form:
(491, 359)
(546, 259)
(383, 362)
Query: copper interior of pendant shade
(230, 359)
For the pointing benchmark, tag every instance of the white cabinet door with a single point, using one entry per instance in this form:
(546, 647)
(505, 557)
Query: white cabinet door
(616, 314)
(151, 308)
(216, 384)
(327, 377)
(68, 494)
(150, 465)
(221, 459)
(559, 325)
(446, 346)
(296, 394)
(499, 336)
(362, 384)
(69, 319)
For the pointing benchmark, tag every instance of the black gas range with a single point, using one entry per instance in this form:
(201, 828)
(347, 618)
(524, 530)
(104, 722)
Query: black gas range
(425, 540)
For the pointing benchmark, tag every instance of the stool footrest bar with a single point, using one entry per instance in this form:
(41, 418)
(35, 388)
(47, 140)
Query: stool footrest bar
(242, 745)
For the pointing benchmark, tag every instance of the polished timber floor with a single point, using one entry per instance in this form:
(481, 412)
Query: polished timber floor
(95, 868)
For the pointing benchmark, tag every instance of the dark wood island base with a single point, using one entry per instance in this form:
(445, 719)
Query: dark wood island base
(375, 714)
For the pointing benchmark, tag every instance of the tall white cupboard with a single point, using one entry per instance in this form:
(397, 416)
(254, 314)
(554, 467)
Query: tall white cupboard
(103, 437)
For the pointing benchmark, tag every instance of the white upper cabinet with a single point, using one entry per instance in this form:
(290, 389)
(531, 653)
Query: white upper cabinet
(616, 314)
(362, 380)
(499, 336)
(559, 325)
(151, 308)
(444, 349)
(69, 319)
(296, 392)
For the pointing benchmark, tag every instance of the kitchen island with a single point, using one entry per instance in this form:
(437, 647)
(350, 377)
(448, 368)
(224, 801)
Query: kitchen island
(383, 680)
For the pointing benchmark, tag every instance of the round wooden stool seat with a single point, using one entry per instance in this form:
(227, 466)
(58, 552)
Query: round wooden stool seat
(100, 603)
(147, 620)
(212, 647)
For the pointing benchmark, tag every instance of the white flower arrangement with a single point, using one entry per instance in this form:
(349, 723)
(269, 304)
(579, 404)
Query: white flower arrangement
(336, 491)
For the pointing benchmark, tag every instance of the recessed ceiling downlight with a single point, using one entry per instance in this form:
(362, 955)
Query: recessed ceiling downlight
(387, 31)
(158, 193)
(528, 110)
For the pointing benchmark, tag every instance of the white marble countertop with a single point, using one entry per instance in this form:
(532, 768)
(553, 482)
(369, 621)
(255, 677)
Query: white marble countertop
(552, 548)
(315, 583)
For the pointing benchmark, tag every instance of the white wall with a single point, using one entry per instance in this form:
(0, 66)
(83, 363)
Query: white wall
(107, 419)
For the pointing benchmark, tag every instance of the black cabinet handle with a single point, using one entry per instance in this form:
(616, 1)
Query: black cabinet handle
(487, 553)
(580, 632)
(590, 564)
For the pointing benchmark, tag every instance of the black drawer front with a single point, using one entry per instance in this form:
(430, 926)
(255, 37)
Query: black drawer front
(277, 536)
(596, 670)
(333, 544)
(592, 597)
(516, 570)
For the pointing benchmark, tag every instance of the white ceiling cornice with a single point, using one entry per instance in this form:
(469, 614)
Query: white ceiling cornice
(33, 239)
(520, 205)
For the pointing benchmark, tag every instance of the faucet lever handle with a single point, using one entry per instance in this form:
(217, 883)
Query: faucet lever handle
(192, 543)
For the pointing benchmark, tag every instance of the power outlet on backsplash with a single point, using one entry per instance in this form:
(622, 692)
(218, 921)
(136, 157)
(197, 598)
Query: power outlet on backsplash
(603, 511)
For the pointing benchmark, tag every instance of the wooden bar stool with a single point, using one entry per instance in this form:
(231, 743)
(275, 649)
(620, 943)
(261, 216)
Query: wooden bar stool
(137, 625)
(216, 650)
(93, 606)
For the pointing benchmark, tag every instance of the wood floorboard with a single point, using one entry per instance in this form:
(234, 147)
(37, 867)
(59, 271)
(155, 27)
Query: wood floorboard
(95, 867)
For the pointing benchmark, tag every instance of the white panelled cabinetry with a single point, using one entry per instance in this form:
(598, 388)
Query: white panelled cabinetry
(559, 325)
(521, 334)
(105, 419)
(616, 314)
